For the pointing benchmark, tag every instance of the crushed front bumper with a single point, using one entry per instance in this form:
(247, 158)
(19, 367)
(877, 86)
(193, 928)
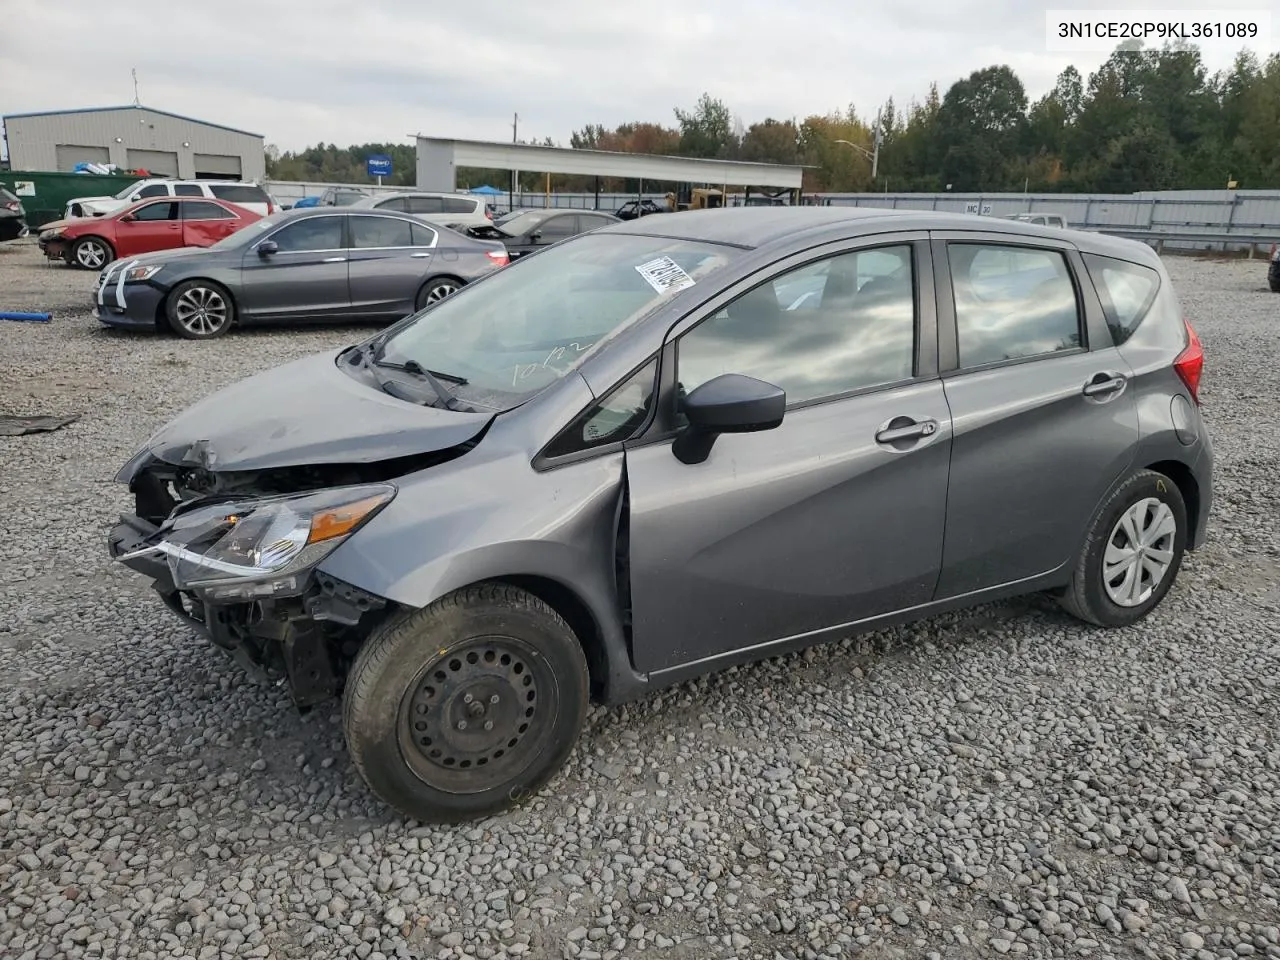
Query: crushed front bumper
(305, 640)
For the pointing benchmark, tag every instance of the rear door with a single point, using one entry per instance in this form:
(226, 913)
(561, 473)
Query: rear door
(305, 279)
(204, 223)
(386, 267)
(1044, 418)
(832, 518)
(152, 226)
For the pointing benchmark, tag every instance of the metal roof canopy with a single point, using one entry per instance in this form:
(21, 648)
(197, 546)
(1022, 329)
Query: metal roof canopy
(439, 159)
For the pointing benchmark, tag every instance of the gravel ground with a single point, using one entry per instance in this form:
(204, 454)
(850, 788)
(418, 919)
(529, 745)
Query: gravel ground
(1002, 781)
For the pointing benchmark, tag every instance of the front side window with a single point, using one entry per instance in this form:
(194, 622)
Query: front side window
(156, 211)
(1012, 303)
(557, 228)
(523, 329)
(1126, 290)
(828, 328)
(309, 235)
(611, 420)
(374, 232)
(187, 190)
(400, 204)
(153, 190)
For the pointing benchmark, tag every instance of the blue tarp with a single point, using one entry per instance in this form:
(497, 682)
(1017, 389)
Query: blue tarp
(488, 191)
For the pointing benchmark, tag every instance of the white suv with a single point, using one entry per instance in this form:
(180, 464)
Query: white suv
(242, 193)
(456, 210)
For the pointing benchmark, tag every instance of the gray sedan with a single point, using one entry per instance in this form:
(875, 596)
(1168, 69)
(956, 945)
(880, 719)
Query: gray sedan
(317, 264)
(668, 446)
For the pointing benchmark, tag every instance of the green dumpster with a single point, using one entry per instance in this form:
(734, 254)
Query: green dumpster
(45, 195)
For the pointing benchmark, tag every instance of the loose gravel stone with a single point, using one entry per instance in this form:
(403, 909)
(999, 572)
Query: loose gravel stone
(1001, 780)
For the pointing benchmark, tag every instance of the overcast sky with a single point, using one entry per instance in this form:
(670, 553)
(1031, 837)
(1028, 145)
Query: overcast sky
(324, 70)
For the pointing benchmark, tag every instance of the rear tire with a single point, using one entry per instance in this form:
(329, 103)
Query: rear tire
(465, 707)
(90, 253)
(199, 310)
(433, 291)
(1131, 554)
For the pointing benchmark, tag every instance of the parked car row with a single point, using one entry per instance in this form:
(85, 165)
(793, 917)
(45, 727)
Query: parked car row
(314, 265)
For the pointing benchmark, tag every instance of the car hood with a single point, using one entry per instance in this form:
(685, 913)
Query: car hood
(58, 225)
(169, 256)
(303, 413)
(100, 203)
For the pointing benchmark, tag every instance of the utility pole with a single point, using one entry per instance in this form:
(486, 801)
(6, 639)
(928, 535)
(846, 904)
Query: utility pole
(875, 156)
(515, 174)
(136, 101)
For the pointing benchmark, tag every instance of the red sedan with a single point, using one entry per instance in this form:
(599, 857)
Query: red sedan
(163, 223)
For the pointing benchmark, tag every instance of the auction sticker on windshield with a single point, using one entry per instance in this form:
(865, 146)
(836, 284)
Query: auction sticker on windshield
(665, 274)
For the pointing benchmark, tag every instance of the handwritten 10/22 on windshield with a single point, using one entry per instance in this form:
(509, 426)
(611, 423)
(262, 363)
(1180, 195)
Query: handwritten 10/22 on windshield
(523, 371)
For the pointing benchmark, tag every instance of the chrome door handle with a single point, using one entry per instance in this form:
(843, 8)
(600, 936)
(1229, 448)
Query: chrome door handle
(906, 431)
(334, 260)
(419, 256)
(1103, 385)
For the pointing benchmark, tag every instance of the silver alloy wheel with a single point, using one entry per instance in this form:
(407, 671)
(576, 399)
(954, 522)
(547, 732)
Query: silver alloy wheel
(1139, 552)
(91, 254)
(201, 311)
(440, 291)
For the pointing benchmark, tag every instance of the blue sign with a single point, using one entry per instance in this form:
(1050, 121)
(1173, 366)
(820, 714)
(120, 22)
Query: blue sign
(379, 165)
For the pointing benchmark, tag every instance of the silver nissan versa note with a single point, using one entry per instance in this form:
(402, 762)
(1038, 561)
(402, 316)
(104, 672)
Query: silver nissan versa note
(667, 446)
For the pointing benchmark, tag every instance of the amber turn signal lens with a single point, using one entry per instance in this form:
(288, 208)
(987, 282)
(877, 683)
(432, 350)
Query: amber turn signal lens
(340, 521)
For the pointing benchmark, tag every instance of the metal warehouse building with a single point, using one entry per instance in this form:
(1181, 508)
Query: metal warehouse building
(133, 138)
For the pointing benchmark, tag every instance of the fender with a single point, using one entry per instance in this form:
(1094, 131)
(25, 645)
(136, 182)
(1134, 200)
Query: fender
(494, 517)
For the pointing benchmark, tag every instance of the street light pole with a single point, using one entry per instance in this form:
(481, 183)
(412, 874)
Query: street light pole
(873, 154)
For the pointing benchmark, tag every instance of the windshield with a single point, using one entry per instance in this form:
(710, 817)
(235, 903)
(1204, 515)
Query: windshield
(253, 232)
(529, 325)
(124, 194)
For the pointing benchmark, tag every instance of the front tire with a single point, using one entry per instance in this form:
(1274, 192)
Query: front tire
(465, 707)
(433, 291)
(1131, 554)
(199, 310)
(91, 253)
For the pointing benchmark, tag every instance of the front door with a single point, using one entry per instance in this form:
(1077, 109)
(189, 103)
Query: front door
(1044, 422)
(389, 260)
(304, 279)
(150, 227)
(835, 516)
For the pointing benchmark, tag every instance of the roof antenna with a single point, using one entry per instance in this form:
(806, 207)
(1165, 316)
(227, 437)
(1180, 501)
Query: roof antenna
(136, 101)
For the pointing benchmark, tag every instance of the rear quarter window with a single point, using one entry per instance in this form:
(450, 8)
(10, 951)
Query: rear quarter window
(239, 193)
(1127, 291)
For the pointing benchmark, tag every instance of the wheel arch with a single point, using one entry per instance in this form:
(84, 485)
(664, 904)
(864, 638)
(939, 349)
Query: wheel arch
(1189, 487)
(162, 306)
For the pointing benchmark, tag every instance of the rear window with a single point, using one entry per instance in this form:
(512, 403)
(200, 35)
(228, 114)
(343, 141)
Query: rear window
(1126, 290)
(239, 193)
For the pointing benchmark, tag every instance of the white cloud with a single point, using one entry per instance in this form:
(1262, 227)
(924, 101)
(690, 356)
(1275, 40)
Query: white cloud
(302, 73)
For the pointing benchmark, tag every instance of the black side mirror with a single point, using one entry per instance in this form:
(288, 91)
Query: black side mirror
(267, 247)
(732, 403)
(536, 235)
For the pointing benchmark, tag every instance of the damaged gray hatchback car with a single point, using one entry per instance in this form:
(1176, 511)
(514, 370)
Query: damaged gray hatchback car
(668, 446)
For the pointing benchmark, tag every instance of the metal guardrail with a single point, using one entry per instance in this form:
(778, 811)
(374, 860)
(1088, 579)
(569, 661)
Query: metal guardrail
(1158, 238)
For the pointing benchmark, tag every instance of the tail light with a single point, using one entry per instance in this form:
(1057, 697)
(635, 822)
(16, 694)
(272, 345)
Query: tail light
(1190, 363)
(11, 205)
(499, 257)
(488, 213)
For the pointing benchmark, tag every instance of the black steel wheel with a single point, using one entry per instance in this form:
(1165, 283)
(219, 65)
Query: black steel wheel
(467, 706)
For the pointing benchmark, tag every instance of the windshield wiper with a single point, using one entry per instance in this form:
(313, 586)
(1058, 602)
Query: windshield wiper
(432, 377)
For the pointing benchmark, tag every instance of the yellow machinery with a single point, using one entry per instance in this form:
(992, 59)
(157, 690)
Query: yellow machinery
(698, 198)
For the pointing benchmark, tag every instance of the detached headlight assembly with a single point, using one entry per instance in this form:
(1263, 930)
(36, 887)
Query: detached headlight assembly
(136, 274)
(264, 548)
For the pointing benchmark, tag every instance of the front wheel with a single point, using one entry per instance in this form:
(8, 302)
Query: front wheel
(433, 291)
(199, 310)
(91, 253)
(1132, 552)
(466, 707)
